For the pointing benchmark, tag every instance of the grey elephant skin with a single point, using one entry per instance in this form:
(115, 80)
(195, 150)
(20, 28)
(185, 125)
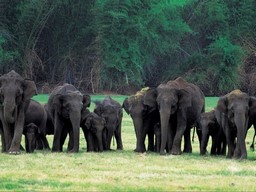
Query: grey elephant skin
(180, 104)
(37, 116)
(210, 127)
(234, 110)
(144, 118)
(65, 104)
(112, 112)
(93, 127)
(31, 132)
(15, 94)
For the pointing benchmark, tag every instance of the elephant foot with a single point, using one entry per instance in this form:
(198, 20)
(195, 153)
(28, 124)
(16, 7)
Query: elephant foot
(176, 152)
(14, 152)
(163, 153)
(187, 150)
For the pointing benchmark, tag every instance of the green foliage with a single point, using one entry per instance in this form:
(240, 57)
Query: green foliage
(113, 45)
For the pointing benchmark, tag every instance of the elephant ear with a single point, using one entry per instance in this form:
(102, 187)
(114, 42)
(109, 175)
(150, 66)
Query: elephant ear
(57, 102)
(126, 105)
(88, 122)
(185, 99)
(86, 100)
(29, 89)
(150, 98)
(222, 104)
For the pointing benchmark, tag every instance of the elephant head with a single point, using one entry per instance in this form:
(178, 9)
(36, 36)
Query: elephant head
(15, 93)
(233, 112)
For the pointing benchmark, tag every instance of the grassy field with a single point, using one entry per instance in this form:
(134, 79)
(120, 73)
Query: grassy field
(126, 170)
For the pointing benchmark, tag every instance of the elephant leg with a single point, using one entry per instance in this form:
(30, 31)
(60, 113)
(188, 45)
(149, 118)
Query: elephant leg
(118, 136)
(214, 145)
(109, 138)
(176, 148)
(151, 140)
(230, 142)
(63, 137)
(187, 141)
(71, 140)
(18, 130)
(58, 126)
(90, 142)
(44, 141)
(104, 139)
(99, 141)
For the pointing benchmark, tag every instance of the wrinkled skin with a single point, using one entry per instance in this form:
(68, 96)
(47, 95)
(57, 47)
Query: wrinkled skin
(65, 105)
(180, 105)
(234, 111)
(112, 112)
(36, 114)
(210, 127)
(31, 132)
(93, 127)
(144, 118)
(15, 94)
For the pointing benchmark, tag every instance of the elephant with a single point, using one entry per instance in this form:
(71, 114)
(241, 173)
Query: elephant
(144, 118)
(180, 104)
(37, 115)
(235, 114)
(93, 127)
(112, 112)
(31, 132)
(65, 104)
(210, 127)
(15, 94)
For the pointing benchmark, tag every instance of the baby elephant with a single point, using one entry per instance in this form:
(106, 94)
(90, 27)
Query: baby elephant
(31, 132)
(210, 127)
(94, 132)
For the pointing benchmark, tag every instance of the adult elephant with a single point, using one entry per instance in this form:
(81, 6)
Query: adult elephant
(93, 127)
(112, 112)
(15, 94)
(210, 127)
(234, 111)
(65, 104)
(180, 104)
(37, 115)
(144, 118)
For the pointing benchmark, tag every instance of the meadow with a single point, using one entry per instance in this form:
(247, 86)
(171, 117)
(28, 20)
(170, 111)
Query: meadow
(126, 170)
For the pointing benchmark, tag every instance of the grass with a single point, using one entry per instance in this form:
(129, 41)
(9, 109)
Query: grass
(125, 170)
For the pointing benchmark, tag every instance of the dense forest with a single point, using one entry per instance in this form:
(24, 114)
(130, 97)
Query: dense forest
(122, 45)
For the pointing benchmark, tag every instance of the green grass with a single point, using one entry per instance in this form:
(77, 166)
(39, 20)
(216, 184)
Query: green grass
(126, 170)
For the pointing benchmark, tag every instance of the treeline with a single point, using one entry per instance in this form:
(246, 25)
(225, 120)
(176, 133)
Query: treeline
(118, 45)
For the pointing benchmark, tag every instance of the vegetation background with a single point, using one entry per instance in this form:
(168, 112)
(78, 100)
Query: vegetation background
(126, 170)
(122, 45)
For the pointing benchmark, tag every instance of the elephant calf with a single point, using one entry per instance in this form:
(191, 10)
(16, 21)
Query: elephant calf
(93, 127)
(31, 132)
(210, 127)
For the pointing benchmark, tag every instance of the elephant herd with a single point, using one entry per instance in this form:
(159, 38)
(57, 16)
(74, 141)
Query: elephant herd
(167, 113)
(63, 115)
(164, 115)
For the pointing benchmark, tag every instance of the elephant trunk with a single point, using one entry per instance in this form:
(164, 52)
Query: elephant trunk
(241, 122)
(30, 142)
(75, 118)
(205, 138)
(10, 111)
(164, 118)
(140, 135)
(99, 140)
